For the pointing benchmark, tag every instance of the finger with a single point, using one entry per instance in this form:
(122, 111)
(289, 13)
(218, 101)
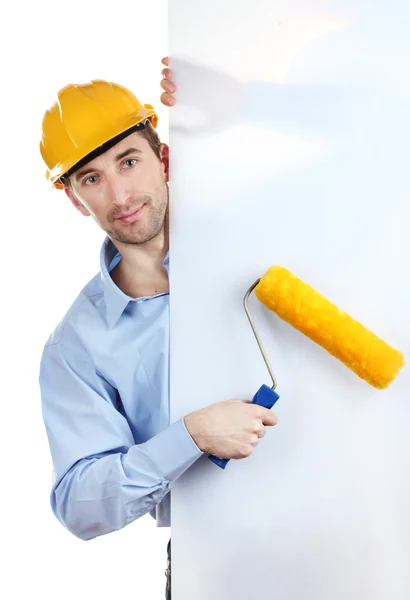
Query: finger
(168, 86)
(165, 60)
(258, 428)
(167, 99)
(255, 440)
(166, 73)
(261, 432)
(268, 417)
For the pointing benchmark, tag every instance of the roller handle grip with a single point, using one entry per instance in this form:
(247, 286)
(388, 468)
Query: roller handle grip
(266, 397)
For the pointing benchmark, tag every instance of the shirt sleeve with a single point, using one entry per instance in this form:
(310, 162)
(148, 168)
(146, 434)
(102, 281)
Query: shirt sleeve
(102, 479)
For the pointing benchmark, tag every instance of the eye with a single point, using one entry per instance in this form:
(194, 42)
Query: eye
(90, 180)
(130, 162)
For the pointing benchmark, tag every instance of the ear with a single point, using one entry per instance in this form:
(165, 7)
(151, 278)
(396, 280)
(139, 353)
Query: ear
(164, 151)
(78, 205)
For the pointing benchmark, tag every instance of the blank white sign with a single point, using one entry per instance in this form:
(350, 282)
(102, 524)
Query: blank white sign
(289, 145)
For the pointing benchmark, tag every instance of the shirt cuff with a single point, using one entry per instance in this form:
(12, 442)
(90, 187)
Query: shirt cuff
(172, 450)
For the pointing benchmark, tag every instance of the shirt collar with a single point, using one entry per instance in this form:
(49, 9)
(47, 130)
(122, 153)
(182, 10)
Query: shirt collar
(115, 299)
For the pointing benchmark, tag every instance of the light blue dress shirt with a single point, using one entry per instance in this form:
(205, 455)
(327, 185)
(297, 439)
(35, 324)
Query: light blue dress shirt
(104, 381)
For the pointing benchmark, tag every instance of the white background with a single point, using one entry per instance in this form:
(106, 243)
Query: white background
(49, 251)
(316, 181)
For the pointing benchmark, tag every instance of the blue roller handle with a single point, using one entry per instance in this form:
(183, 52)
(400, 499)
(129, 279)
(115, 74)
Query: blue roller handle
(265, 396)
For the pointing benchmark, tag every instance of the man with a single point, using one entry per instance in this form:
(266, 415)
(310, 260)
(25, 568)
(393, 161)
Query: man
(104, 370)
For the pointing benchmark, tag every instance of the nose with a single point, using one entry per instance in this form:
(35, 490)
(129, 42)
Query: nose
(118, 189)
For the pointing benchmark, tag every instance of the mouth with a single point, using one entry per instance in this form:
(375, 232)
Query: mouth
(131, 217)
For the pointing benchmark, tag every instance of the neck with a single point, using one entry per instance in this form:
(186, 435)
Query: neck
(141, 270)
(144, 258)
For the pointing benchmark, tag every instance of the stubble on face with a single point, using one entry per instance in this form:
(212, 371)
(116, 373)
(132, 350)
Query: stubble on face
(144, 183)
(148, 227)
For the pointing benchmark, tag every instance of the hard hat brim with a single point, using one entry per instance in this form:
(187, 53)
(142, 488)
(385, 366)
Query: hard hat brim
(97, 140)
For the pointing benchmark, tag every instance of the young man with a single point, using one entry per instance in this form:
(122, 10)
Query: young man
(104, 370)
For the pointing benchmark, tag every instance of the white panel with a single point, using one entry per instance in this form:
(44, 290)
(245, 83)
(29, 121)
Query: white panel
(290, 145)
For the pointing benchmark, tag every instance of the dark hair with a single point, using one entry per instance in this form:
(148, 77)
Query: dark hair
(145, 129)
(151, 135)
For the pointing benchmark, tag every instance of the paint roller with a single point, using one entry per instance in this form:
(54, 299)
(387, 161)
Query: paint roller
(298, 304)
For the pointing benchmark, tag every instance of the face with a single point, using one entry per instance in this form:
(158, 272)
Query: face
(124, 190)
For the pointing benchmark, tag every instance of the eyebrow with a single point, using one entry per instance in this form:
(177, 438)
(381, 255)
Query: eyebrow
(126, 152)
(119, 156)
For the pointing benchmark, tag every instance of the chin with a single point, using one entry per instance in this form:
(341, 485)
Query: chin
(136, 238)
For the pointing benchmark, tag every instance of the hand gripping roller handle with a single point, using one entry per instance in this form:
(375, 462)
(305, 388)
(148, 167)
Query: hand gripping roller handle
(265, 396)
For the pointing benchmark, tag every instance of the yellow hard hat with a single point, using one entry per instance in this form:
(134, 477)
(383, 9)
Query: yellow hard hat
(83, 118)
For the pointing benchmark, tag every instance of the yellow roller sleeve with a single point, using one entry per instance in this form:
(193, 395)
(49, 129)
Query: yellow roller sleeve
(301, 306)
